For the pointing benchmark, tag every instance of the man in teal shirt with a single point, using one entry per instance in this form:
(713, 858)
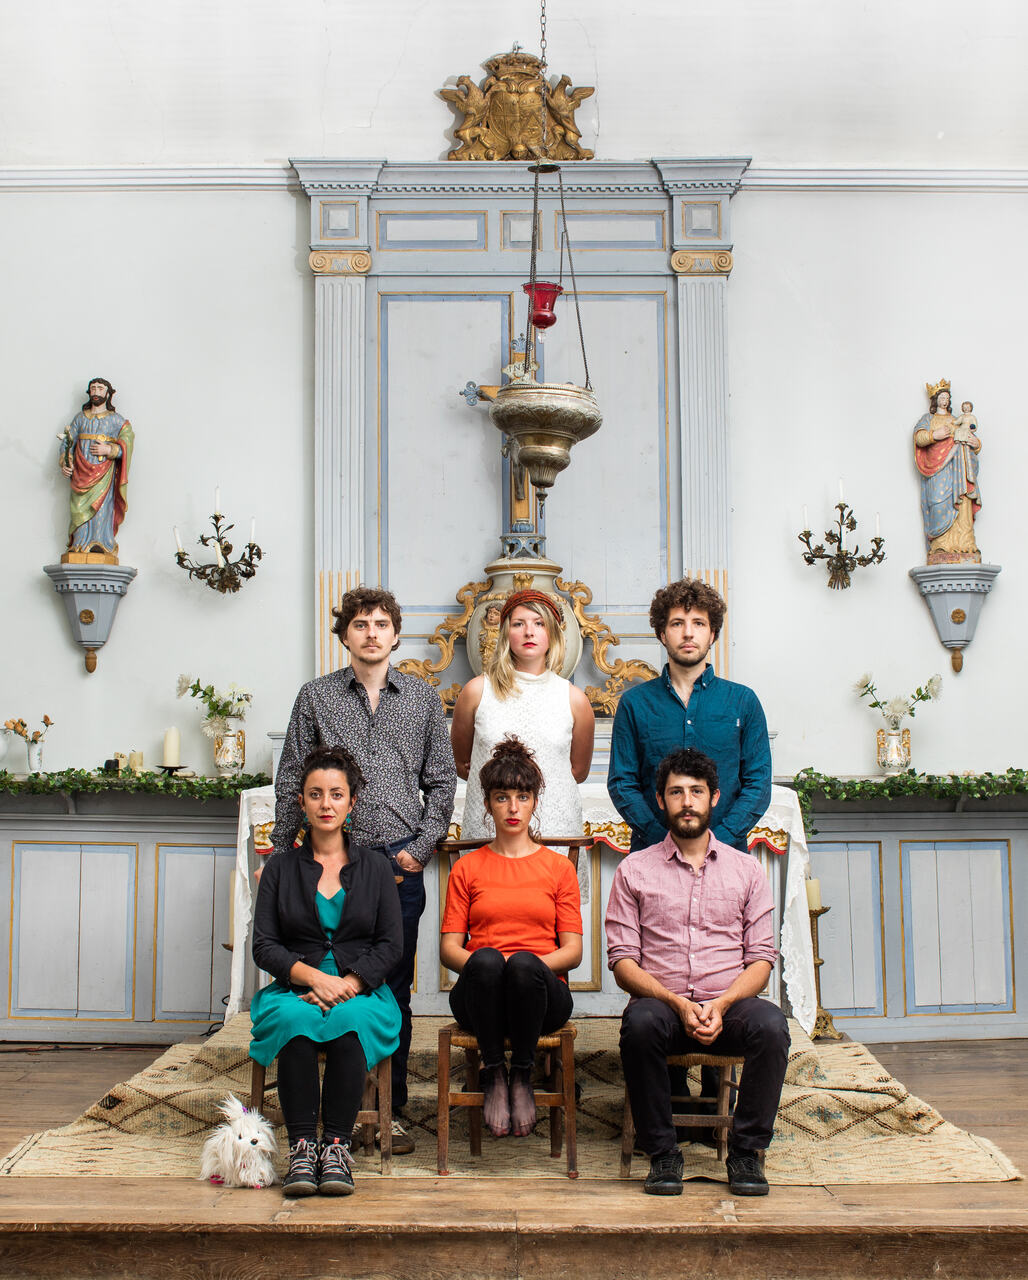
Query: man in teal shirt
(689, 706)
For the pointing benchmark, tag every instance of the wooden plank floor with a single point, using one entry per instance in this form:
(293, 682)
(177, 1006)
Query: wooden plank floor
(512, 1228)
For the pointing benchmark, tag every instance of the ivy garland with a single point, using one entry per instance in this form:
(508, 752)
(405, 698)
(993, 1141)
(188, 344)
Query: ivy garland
(809, 784)
(149, 784)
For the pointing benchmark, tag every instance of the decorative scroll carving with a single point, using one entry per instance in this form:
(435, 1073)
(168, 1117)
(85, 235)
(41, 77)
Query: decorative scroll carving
(452, 628)
(701, 262)
(617, 833)
(599, 633)
(503, 118)
(340, 262)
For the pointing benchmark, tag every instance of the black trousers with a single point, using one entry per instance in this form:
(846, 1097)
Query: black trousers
(518, 999)
(412, 905)
(753, 1029)
(301, 1095)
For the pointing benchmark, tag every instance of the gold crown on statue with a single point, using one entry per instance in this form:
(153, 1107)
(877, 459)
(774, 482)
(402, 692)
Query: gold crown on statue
(939, 386)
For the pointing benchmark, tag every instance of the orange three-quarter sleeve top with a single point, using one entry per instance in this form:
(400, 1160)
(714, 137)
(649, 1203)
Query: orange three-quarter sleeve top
(512, 904)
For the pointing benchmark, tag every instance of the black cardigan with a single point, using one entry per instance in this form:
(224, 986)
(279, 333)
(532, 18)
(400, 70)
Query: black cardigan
(369, 940)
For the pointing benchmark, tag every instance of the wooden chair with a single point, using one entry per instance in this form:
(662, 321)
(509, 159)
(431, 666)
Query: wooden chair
(722, 1120)
(558, 1096)
(376, 1107)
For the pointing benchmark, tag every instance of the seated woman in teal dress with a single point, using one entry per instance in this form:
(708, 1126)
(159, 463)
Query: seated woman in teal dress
(327, 925)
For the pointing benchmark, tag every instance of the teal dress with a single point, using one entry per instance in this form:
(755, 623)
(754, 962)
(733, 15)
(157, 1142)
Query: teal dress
(278, 1014)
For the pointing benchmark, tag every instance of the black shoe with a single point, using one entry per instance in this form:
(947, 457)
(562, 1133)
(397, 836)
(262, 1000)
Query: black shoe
(746, 1172)
(302, 1178)
(665, 1175)
(334, 1169)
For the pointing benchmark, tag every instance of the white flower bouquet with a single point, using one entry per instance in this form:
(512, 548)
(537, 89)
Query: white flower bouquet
(220, 706)
(894, 709)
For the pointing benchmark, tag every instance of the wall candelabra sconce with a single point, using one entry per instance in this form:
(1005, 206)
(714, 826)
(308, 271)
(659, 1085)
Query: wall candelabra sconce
(224, 574)
(839, 559)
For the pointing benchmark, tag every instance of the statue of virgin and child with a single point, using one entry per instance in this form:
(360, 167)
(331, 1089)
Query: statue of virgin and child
(946, 453)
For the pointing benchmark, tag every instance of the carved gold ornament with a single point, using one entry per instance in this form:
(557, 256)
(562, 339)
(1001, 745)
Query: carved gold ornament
(340, 262)
(701, 262)
(503, 118)
(599, 633)
(452, 628)
(617, 833)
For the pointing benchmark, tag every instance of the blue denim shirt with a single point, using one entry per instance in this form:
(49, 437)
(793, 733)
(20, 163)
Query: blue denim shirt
(724, 720)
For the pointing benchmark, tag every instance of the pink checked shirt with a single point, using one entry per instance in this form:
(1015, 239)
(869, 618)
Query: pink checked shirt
(694, 931)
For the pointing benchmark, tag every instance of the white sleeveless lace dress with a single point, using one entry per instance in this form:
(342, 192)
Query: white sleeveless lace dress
(540, 715)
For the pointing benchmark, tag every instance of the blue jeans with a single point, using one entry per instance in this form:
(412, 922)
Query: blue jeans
(411, 890)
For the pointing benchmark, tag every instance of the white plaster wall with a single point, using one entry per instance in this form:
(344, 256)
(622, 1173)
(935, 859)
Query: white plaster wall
(198, 307)
(840, 308)
(936, 82)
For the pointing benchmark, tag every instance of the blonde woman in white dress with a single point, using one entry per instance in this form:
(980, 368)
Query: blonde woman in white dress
(522, 693)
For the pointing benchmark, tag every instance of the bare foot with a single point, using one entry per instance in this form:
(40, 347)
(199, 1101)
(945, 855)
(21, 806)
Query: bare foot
(496, 1106)
(522, 1101)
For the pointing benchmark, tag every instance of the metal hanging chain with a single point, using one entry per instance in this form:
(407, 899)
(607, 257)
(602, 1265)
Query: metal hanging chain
(530, 336)
(542, 78)
(574, 282)
(542, 34)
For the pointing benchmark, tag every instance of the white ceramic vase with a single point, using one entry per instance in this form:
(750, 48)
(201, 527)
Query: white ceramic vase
(230, 749)
(35, 754)
(5, 742)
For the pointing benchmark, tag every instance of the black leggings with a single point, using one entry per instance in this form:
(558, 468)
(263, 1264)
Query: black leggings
(299, 1091)
(517, 999)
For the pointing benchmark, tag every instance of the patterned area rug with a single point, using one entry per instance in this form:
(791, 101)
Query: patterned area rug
(843, 1119)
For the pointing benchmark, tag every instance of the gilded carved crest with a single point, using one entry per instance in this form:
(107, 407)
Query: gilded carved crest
(504, 117)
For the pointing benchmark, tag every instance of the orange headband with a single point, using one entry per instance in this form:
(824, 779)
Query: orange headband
(530, 597)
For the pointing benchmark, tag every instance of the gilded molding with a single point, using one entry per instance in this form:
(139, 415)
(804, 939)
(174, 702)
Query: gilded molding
(593, 628)
(701, 262)
(340, 262)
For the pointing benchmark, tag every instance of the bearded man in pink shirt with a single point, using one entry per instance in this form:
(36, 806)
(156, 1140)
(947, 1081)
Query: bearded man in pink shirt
(690, 938)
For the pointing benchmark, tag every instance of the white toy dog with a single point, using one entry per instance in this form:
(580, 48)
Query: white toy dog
(238, 1153)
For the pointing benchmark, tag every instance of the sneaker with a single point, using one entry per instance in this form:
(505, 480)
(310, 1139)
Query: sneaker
(746, 1172)
(665, 1175)
(403, 1143)
(302, 1178)
(335, 1177)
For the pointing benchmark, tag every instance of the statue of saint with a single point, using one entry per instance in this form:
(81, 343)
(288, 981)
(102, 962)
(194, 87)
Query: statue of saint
(946, 452)
(96, 451)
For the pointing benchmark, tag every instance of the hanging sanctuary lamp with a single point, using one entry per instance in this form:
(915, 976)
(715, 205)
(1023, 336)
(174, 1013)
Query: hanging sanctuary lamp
(543, 420)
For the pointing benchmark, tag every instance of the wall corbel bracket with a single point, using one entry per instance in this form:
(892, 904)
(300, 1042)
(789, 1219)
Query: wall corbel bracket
(955, 594)
(91, 595)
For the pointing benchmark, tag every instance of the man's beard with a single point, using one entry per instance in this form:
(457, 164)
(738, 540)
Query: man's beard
(694, 660)
(690, 826)
(96, 401)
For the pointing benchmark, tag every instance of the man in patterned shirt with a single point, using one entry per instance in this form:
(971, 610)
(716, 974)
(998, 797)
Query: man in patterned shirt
(690, 938)
(394, 725)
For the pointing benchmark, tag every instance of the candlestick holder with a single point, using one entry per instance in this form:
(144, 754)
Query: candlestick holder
(824, 1027)
(224, 574)
(840, 561)
(169, 770)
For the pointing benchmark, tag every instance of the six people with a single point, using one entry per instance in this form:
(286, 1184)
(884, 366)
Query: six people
(689, 920)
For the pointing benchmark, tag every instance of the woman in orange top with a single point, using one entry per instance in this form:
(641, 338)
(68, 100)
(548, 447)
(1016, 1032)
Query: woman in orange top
(512, 929)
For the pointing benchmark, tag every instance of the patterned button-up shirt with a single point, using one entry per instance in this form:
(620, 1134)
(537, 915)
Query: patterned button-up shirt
(403, 750)
(694, 931)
